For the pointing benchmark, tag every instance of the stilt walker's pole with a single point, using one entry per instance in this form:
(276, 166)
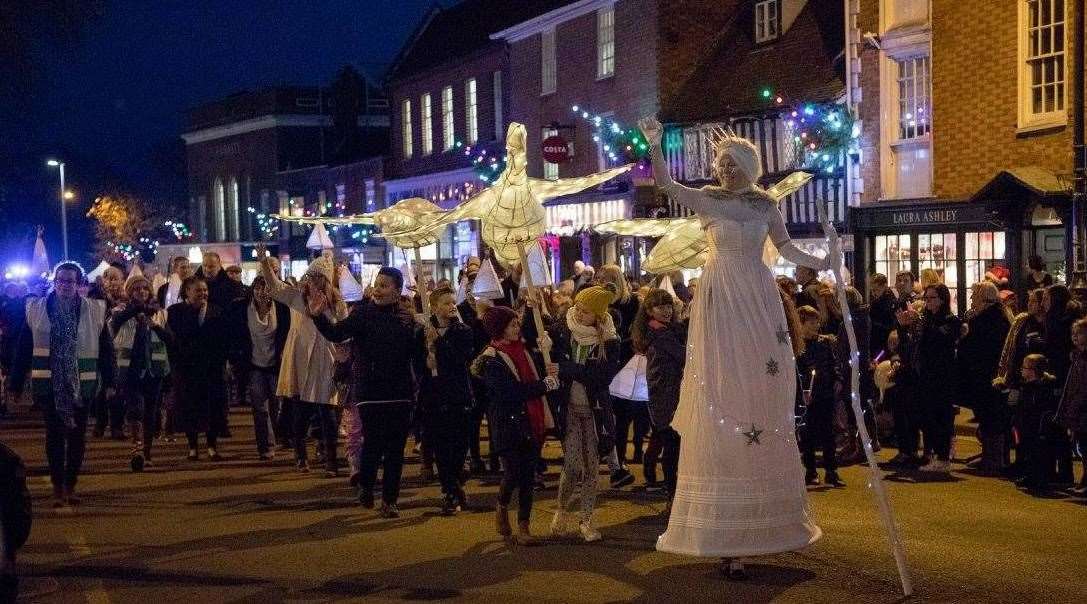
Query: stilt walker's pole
(420, 288)
(537, 313)
(874, 477)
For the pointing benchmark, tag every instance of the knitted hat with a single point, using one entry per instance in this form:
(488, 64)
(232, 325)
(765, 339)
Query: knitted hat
(596, 299)
(496, 319)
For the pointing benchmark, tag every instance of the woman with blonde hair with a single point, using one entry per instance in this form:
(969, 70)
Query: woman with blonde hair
(306, 368)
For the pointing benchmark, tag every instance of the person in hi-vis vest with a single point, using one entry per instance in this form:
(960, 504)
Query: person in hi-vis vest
(138, 327)
(72, 358)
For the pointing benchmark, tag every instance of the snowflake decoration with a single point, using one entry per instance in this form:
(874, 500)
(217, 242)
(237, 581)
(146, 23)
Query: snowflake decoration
(772, 367)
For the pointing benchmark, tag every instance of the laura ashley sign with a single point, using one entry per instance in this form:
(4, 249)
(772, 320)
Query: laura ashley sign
(924, 217)
(921, 217)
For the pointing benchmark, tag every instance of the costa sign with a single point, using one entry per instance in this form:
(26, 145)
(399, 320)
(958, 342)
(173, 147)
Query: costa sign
(555, 149)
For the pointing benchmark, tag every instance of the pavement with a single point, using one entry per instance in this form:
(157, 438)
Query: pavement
(259, 532)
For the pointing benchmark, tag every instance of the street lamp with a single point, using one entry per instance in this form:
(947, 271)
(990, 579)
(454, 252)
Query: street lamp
(52, 163)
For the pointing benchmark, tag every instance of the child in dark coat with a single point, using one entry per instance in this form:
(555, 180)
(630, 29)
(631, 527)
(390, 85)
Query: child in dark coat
(820, 381)
(1040, 436)
(658, 334)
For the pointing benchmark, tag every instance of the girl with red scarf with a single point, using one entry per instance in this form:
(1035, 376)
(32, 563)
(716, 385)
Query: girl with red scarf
(516, 392)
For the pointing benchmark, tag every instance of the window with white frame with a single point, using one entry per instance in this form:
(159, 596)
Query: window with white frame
(425, 127)
(547, 62)
(550, 170)
(1042, 45)
(767, 20)
(914, 97)
(471, 111)
(449, 134)
(405, 126)
(605, 42)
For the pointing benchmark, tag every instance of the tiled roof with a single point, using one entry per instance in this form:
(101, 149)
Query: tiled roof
(462, 29)
(804, 64)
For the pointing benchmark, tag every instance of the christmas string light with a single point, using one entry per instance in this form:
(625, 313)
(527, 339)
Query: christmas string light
(822, 132)
(621, 144)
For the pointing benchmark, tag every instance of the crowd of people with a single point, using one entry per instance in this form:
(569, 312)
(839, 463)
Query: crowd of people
(354, 374)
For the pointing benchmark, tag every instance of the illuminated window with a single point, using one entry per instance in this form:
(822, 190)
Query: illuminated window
(232, 210)
(218, 211)
(605, 42)
(448, 133)
(914, 97)
(405, 132)
(425, 125)
(892, 254)
(938, 251)
(471, 113)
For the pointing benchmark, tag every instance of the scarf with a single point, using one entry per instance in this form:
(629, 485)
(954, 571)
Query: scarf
(526, 372)
(585, 340)
(63, 357)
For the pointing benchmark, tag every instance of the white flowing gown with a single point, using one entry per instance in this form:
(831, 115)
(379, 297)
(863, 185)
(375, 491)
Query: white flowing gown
(741, 483)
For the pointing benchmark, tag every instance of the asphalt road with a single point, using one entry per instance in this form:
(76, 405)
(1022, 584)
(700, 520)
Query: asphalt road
(245, 531)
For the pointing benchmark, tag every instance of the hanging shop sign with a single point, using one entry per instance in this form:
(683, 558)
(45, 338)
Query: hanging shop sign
(556, 150)
(924, 216)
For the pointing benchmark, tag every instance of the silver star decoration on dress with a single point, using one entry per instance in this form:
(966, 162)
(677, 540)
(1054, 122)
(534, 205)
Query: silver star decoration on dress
(772, 367)
(783, 335)
(753, 435)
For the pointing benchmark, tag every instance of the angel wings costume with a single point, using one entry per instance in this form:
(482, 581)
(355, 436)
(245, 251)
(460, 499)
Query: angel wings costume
(741, 486)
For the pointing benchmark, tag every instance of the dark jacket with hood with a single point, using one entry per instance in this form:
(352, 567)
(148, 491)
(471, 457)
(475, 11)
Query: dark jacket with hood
(666, 357)
(450, 391)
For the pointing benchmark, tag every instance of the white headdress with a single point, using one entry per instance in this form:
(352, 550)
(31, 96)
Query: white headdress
(324, 266)
(742, 151)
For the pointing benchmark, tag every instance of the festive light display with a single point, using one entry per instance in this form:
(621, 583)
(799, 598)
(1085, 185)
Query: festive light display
(179, 229)
(621, 144)
(822, 132)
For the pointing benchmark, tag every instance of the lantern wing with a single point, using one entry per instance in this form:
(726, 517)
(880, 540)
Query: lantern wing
(548, 189)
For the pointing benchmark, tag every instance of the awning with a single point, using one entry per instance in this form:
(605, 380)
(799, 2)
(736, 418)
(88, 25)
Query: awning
(1033, 183)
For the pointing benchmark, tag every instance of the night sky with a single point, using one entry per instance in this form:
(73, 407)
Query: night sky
(104, 86)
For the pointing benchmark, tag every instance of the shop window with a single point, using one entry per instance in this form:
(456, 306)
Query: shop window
(1042, 44)
(939, 251)
(983, 251)
(892, 255)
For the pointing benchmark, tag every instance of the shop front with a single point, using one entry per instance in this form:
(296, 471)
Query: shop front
(961, 240)
(570, 236)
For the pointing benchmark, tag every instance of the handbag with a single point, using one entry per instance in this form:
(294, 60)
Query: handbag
(630, 383)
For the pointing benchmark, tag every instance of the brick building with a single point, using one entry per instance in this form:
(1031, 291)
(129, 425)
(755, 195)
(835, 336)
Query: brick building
(698, 64)
(966, 143)
(450, 92)
(253, 154)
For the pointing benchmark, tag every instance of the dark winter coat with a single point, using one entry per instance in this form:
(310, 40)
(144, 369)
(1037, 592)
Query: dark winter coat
(241, 341)
(1058, 342)
(16, 514)
(979, 356)
(862, 329)
(508, 421)
(388, 351)
(480, 339)
(927, 350)
(197, 362)
(451, 390)
(1036, 409)
(595, 375)
(623, 314)
(665, 359)
(222, 290)
(882, 316)
(1073, 405)
(821, 355)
